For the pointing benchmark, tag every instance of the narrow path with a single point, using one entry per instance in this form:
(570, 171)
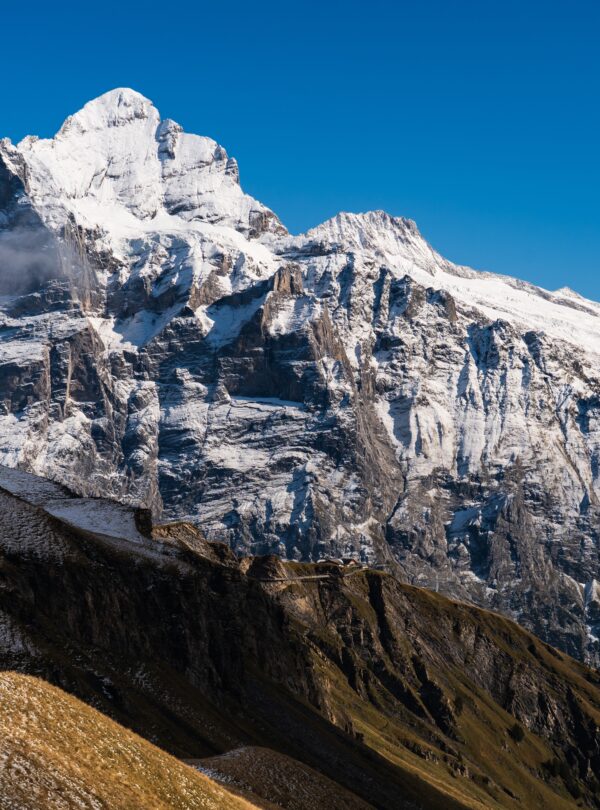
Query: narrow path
(342, 575)
(291, 579)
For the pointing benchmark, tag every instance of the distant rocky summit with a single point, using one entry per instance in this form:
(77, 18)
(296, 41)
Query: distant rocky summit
(164, 341)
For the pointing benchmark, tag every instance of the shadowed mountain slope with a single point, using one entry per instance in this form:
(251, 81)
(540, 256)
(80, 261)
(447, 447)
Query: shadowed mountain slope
(403, 697)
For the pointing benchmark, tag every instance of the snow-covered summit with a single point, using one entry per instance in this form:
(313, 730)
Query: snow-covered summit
(374, 232)
(165, 341)
(377, 239)
(115, 108)
(115, 158)
(371, 229)
(116, 169)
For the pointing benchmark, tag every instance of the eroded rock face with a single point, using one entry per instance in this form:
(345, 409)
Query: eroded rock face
(348, 391)
(406, 698)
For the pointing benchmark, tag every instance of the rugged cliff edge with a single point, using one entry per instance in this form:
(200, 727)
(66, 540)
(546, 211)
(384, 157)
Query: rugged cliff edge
(401, 696)
(164, 341)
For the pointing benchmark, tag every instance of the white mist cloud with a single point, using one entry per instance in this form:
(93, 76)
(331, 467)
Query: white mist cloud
(28, 258)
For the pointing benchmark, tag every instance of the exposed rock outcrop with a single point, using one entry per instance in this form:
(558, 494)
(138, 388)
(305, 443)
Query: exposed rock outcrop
(405, 698)
(348, 391)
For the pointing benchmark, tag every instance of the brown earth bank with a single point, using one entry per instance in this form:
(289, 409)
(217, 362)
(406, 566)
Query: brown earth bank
(402, 697)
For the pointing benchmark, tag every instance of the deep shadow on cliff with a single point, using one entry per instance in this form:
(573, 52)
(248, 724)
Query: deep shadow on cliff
(405, 698)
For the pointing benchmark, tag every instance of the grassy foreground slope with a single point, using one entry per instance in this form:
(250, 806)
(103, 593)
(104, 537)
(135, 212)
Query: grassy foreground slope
(56, 752)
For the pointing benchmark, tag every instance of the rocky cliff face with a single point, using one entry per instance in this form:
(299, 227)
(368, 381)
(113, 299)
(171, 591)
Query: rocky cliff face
(405, 698)
(348, 391)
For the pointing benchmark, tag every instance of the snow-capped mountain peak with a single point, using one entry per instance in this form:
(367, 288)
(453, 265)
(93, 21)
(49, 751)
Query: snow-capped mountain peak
(374, 231)
(117, 156)
(164, 340)
(115, 108)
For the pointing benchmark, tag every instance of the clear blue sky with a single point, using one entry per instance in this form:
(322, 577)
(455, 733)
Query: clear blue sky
(481, 120)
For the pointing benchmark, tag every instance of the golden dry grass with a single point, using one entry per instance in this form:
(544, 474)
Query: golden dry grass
(57, 753)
